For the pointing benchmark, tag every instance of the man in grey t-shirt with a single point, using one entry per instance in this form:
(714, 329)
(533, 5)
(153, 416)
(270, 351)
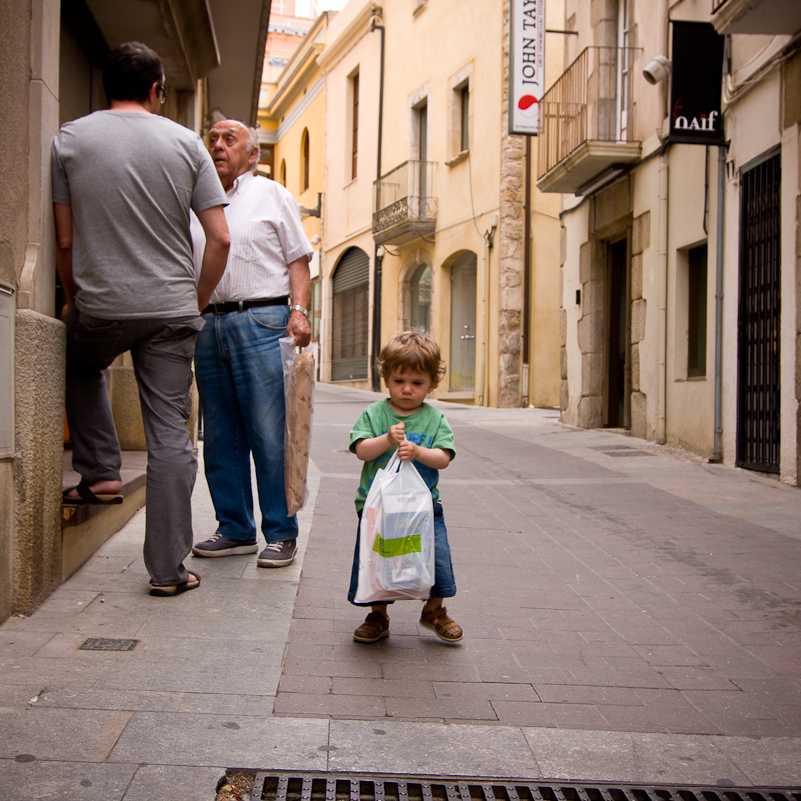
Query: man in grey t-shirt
(124, 181)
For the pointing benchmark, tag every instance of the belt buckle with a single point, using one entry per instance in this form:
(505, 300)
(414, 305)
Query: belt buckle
(241, 305)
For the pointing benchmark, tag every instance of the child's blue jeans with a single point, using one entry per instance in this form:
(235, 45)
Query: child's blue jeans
(444, 582)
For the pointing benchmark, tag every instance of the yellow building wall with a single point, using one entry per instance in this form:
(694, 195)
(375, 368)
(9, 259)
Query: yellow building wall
(351, 47)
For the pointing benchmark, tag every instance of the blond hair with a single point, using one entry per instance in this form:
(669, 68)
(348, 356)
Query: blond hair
(412, 350)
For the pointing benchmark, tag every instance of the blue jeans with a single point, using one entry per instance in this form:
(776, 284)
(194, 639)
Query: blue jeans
(444, 582)
(241, 385)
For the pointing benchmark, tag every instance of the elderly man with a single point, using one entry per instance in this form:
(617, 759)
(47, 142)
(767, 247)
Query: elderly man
(124, 181)
(238, 359)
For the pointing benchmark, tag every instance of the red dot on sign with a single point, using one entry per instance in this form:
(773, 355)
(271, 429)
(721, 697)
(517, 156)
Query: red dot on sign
(526, 102)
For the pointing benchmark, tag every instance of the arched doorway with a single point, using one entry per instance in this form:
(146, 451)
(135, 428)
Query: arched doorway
(462, 369)
(349, 317)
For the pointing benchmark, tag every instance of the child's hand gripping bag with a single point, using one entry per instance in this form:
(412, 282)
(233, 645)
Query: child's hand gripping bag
(396, 536)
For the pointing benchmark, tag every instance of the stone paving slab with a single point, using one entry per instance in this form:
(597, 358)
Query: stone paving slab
(152, 782)
(645, 758)
(429, 749)
(69, 781)
(236, 740)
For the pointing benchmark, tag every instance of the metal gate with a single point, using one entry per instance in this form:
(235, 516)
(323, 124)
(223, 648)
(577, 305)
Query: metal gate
(758, 358)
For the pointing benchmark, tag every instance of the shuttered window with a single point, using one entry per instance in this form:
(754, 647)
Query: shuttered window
(351, 282)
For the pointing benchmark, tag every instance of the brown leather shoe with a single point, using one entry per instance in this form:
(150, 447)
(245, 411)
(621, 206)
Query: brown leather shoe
(375, 627)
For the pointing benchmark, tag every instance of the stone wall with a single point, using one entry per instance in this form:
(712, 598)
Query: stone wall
(640, 240)
(39, 401)
(511, 247)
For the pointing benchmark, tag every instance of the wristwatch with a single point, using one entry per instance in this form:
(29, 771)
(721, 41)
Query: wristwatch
(297, 307)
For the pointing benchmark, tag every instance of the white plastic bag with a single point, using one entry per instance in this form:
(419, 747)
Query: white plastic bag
(396, 536)
(298, 366)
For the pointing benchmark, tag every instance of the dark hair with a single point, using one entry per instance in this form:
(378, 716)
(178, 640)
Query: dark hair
(412, 350)
(130, 70)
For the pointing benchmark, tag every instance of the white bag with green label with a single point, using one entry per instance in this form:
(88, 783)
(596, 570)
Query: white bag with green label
(396, 536)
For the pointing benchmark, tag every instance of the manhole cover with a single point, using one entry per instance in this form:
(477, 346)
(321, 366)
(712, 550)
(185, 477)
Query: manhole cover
(618, 450)
(350, 787)
(108, 644)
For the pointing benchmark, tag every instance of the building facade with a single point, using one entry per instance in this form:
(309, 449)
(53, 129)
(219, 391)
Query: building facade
(679, 260)
(426, 204)
(51, 57)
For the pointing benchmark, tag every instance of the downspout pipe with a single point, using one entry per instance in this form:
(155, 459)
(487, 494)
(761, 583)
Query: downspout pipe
(717, 449)
(489, 236)
(377, 23)
(526, 322)
(664, 241)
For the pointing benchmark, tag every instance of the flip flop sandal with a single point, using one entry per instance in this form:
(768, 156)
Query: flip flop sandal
(175, 589)
(86, 496)
(445, 628)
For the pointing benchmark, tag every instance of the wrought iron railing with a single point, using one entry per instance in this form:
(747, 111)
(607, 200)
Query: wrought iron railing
(405, 195)
(717, 5)
(590, 101)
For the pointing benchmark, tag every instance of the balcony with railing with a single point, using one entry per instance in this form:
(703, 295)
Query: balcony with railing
(757, 16)
(404, 208)
(585, 130)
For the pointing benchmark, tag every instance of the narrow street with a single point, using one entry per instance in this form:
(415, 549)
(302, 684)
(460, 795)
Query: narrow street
(631, 614)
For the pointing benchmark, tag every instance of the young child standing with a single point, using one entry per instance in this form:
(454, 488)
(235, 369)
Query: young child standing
(411, 366)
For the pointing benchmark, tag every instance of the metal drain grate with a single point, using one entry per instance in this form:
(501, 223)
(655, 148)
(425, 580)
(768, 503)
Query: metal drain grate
(333, 787)
(108, 644)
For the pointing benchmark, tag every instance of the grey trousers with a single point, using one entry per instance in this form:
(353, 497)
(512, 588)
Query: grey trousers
(162, 351)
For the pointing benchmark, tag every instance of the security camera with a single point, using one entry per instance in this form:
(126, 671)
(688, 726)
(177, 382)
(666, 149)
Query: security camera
(657, 70)
(315, 240)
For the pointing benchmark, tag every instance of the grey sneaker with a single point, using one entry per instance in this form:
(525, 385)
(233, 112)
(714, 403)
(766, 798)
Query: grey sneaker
(278, 554)
(220, 545)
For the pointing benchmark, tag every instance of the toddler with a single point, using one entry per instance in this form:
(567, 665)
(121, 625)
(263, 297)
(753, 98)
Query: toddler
(411, 366)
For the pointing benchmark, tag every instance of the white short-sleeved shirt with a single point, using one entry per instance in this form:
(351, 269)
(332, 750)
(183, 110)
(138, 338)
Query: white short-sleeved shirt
(266, 236)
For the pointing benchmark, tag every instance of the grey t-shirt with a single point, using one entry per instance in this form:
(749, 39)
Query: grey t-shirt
(131, 179)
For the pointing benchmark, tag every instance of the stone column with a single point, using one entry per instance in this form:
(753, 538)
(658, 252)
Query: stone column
(510, 245)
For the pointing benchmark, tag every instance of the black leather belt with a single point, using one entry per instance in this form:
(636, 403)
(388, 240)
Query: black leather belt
(240, 305)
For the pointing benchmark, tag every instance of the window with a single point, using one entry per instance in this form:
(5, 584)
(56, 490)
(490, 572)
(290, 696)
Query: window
(624, 69)
(696, 311)
(464, 108)
(420, 287)
(420, 145)
(354, 167)
(458, 143)
(304, 147)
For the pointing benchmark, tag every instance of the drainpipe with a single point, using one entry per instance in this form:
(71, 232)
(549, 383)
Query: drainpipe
(717, 452)
(377, 23)
(661, 415)
(526, 322)
(483, 399)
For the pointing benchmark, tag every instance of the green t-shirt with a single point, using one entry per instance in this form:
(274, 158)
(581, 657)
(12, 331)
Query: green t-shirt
(428, 428)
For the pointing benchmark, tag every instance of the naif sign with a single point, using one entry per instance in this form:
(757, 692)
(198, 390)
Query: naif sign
(695, 85)
(526, 64)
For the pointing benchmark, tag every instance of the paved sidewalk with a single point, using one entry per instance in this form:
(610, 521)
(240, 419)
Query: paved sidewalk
(631, 614)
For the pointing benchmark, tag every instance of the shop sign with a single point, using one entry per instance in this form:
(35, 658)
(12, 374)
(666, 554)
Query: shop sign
(526, 64)
(695, 85)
